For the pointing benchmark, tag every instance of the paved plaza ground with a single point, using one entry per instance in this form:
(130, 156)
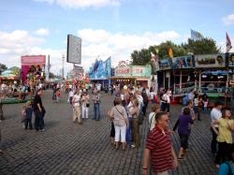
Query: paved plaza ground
(68, 148)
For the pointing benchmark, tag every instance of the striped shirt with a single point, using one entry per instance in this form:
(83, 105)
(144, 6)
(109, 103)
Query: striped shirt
(159, 144)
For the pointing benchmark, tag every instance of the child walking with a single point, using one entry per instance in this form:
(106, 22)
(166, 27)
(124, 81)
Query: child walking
(205, 105)
(58, 94)
(28, 116)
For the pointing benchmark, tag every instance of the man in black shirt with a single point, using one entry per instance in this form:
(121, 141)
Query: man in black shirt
(39, 111)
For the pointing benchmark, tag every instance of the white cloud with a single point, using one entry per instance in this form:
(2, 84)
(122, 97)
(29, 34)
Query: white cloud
(42, 32)
(94, 43)
(17, 42)
(82, 3)
(117, 45)
(228, 20)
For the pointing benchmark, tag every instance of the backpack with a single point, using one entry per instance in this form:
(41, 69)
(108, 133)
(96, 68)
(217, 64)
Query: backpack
(140, 118)
(145, 97)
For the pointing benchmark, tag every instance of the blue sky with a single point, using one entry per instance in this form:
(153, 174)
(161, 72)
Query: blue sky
(107, 27)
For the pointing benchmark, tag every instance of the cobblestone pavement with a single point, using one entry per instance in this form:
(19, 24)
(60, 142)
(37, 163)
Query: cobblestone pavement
(68, 148)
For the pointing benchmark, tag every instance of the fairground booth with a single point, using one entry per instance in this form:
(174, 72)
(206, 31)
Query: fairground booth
(100, 73)
(10, 75)
(135, 75)
(33, 70)
(210, 74)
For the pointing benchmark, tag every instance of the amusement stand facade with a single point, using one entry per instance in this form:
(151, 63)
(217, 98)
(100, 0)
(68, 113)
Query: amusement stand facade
(210, 74)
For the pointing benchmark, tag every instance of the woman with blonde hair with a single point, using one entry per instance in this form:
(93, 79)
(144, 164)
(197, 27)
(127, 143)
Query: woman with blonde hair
(224, 136)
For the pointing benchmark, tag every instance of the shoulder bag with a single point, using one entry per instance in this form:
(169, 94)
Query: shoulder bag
(125, 120)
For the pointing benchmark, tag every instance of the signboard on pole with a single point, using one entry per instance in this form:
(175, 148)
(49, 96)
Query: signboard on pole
(73, 49)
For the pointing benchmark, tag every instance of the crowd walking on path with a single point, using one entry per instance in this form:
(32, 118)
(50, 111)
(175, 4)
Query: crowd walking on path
(129, 103)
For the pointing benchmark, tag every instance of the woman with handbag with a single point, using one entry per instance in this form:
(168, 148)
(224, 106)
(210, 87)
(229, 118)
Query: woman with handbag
(85, 105)
(120, 120)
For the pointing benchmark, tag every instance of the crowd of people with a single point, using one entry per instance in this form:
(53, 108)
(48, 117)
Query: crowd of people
(129, 102)
(159, 152)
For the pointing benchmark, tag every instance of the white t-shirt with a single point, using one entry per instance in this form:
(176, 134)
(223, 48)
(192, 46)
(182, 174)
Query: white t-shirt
(215, 114)
(76, 100)
(152, 94)
(152, 121)
(166, 97)
(140, 100)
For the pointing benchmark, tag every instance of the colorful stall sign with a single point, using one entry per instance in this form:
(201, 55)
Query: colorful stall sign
(231, 60)
(165, 64)
(182, 62)
(211, 61)
(141, 71)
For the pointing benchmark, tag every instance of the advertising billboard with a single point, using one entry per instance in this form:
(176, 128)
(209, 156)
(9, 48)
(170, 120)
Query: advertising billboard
(33, 60)
(73, 49)
(211, 60)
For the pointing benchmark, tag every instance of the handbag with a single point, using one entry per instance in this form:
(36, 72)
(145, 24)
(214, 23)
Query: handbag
(125, 120)
(140, 118)
(87, 105)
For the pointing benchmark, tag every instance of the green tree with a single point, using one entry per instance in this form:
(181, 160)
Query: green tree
(143, 56)
(204, 46)
(51, 75)
(2, 68)
(176, 49)
(15, 70)
(140, 57)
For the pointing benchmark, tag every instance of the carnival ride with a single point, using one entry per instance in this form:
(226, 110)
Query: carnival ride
(14, 81)
(210, 74)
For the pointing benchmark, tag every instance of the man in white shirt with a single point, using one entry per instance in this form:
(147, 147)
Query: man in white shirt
(76, 100)
(166, 100)
(215, 114)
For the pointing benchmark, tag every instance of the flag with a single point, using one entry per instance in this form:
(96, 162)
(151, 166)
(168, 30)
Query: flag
(170, 53)
(153, 56)
(220, 50)
(228, 43)
(154, 62)
(196, 36)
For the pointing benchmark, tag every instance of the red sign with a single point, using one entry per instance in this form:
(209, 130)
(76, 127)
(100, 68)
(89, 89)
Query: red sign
(33, 60)
(122, 71)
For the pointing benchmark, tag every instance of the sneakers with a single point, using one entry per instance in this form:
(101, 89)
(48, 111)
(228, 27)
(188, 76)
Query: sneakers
(133, 146)
(42, 130)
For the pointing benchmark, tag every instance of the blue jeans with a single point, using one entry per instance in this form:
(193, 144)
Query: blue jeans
(129, 132)
(96, 111)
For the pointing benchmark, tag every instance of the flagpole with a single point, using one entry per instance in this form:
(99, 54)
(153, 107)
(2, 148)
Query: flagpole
(228, 48)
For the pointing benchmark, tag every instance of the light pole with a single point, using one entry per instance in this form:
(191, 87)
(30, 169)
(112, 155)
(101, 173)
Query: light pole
(63, 66)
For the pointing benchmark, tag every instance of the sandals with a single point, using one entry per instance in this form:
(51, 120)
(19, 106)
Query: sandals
(116, 146)
(180, 158)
